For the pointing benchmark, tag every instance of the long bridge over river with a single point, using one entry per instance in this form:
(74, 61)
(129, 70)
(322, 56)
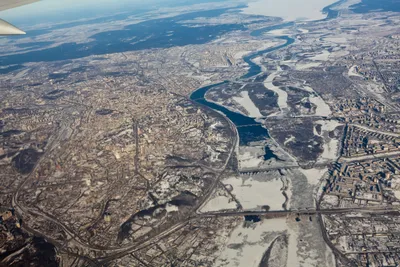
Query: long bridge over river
(301, 212)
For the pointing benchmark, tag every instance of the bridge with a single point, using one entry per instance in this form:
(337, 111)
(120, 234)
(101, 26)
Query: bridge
(290, 167)
(284, 213)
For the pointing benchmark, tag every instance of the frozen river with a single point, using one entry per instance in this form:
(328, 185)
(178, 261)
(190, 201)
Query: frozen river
(289, 10)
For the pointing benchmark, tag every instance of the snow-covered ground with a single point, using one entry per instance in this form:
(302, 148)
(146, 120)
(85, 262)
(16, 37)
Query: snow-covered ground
(289, 139)
(219, 203)
(289, 10)
(241, 54)
(248, 160)
(254, 194)
(254, 241)
(248, 104)
(304, 66)
(352, 72)
(282, 95)
(330, 147)
(324, 56)
(336, 40)
(304, 30)
(322, 109)
(279, 32)
(313, 175)
(252, 157)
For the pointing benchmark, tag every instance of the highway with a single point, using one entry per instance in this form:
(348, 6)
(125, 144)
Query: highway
(78, 247)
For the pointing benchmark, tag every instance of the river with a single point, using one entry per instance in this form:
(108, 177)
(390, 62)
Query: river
(248, 128)
(255, 131)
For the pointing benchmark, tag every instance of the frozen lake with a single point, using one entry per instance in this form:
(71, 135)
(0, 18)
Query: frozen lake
(289, 10)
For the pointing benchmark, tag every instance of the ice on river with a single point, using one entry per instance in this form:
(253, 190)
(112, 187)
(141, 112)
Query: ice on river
(289, 10)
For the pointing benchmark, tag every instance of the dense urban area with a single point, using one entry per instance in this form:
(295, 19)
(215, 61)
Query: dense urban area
(256, 142)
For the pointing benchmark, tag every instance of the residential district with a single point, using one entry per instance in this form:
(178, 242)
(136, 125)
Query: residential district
(265, 146)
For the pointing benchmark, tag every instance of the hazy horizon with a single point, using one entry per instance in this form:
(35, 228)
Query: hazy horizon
(68, 10)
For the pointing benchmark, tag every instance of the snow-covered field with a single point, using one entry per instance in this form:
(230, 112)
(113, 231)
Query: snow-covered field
(304, 66)
(254, 194)
(240, 54)
(254, 241)
(289, 10)
(304, 30)
(313, 175)
(279, 32)
(248, 159)
(322, 109)
(248, 104)
(330, 147)
(324, 56)
(219, 203)
(352, 72)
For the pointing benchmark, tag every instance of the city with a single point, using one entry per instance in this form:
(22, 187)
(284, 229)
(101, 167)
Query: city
(257, 141)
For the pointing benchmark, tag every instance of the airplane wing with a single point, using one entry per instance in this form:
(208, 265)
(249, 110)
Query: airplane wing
(5, 27)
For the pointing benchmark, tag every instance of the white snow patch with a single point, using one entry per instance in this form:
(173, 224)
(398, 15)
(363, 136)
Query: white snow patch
(254, 245)
(339, 53)
(170, 208)
(330, 150)
(308, 89)
(219, 203)
(293, 260)
(289, 139)
(313, 175)
(278, 32)
(322, 109)
(248, 160)
(240, 54)
(328, 125)
(324, 56)
(337, 40)
(248, 104)
(352, 72)
(304, 30)
(331, 146)
(254, 194)
(308, 65)
(397, 193)
(216, 124)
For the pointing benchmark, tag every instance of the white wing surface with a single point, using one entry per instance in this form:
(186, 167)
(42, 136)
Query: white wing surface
(5, 27)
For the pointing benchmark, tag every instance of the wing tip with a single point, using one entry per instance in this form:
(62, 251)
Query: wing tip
(8, 29)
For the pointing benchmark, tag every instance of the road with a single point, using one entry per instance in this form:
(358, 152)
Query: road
(144, 242)
(391, 154)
